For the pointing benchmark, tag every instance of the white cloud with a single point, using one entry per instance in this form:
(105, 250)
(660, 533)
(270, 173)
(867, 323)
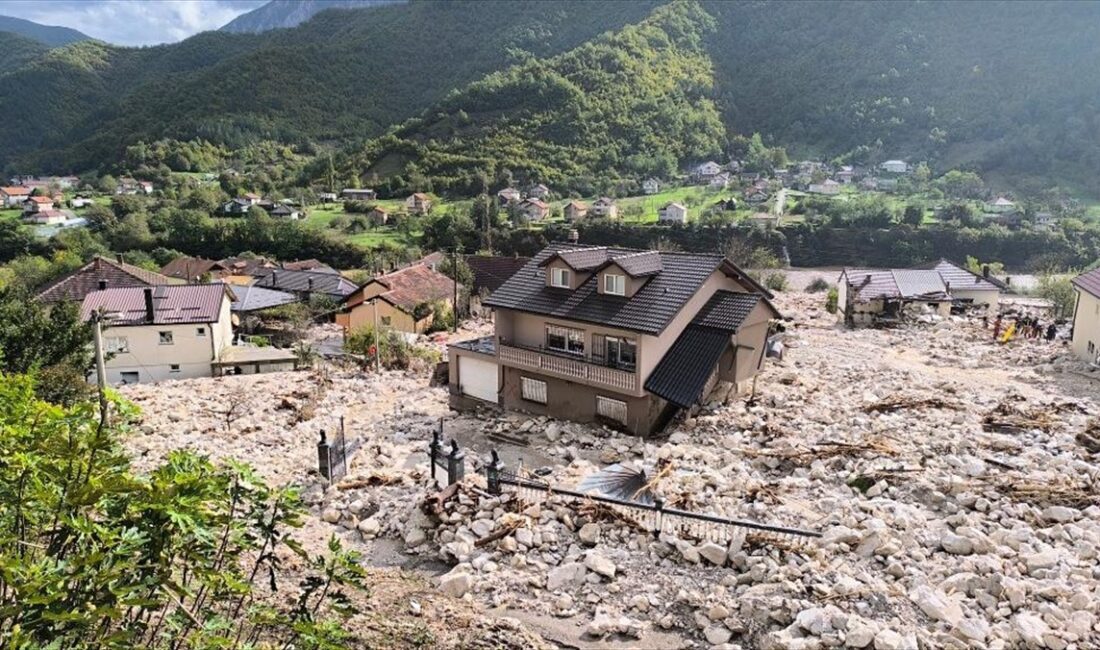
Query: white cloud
(132, 22)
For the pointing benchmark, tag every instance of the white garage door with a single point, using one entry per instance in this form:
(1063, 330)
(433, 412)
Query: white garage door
(478, 378)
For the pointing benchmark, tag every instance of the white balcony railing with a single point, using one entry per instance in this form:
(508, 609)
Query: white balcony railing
(621, 380)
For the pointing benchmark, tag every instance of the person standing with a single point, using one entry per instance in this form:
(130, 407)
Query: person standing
(997, 327)
(1052, 331)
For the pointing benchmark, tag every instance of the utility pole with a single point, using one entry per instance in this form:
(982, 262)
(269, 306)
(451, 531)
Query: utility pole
(454, 306)
(377, 339)
(100, 366)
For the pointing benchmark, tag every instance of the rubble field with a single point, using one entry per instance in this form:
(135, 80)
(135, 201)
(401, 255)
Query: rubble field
(953, 481)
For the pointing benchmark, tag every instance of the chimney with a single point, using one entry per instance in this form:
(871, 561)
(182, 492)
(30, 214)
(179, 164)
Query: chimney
(274, 278)
(985, 270)
(148, 304)
(309, 284)
(574, 236)
(867, 279)
(102, 285)
(118, 258)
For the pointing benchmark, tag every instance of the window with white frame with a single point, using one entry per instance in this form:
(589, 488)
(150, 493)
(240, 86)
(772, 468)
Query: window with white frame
(117, 345)
(614, 284)
(559, 278)
(564, 339)
(166, 338)
(621, 352)
(612, 409)
(533, 390)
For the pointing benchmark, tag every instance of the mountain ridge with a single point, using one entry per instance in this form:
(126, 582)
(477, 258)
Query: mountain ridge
(284, 14)
(50, 35)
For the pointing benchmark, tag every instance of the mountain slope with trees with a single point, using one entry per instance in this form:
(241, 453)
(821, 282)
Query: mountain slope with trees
(17, 50)
(48, 35)
(283, 14)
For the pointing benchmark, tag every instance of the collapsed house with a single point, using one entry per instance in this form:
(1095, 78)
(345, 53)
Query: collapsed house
(890, 296)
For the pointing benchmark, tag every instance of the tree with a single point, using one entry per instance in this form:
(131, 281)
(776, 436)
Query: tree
(34, 337)
(961, 185)
(107, 184)
(1058, 289)
(913, 215)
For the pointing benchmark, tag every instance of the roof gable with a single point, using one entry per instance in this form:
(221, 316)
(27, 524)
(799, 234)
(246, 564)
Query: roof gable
(86, 279)
(1089, 282)
(172, 304)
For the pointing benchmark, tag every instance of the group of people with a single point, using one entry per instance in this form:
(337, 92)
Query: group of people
(1028, 327)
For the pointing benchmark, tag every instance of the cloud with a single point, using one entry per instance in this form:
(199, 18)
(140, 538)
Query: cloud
(132, 22)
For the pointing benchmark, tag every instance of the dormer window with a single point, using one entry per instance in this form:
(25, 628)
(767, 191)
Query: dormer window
(560, 278)
(614, 284)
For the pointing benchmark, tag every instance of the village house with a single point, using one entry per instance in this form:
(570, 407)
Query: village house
(251, 299)
(538, 191)
(312, 264)
(100, 272)
(967, 288)
(418, 203)
(378, 216)
(894, 167)
(13, 197)
(845, 175)
(828, 186)
(306, 284)
(490, 272)
(403, 300)
(195, 269)
(48, 217)
(328, 197)
(80, 201)
(130, 186)
(876, 296)
(351, 194)
(284, 211)
(237, 207)
(672, 213)
(719, 181)
(575, 210)
(706, 171)
(509, 195)
(533, 209)
(1086, 317)
(651, 186)
(1000, 205)
(623, 337)
(37, 204)
(162, 332)
(605, 208)
(1045, 219)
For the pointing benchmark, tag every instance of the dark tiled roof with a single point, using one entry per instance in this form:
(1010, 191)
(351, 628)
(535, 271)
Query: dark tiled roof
(491, 271)
(682, 374)
(306, 281)
(726, 310)
(579, 259)
(638, 264)
(648, 311)
(86, 279)
(1089, 282)
(172, 304)
(253, 298)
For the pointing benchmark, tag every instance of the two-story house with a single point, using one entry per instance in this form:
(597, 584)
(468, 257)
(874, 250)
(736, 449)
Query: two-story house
(163, 332)
(605, 208)
(418, 203)
(1086, 317)
(624, 337)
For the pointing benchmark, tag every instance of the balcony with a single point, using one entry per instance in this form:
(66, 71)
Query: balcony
(593, 370)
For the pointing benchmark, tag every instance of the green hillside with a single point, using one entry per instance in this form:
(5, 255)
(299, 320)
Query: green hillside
(16, 50)
(48, 35)
(345, 74)
(631, 103)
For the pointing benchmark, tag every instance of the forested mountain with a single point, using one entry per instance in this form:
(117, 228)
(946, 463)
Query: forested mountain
(344, 75)
(282, 14)
(46, 34)
(16, 50)
(998, 86)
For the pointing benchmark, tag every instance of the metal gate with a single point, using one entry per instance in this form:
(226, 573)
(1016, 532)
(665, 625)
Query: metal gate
(332, 455)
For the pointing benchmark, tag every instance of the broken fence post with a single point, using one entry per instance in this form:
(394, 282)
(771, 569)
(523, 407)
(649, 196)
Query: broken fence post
(492, 473)
(659, 504)
(324, 457)
(456, 464)
(435, 449)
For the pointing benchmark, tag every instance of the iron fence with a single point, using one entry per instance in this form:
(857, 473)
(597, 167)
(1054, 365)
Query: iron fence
(332, 456)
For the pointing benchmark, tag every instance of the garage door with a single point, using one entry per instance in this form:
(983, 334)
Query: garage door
(478, 378)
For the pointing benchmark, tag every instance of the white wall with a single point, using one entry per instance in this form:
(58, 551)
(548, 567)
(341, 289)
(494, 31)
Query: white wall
(1086, 326)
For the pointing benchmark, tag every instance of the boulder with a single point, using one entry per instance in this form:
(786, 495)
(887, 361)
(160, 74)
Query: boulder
(599, 564)
(713, 553)
(565, 576)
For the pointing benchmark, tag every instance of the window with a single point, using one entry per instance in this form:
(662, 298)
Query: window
(533, 390)
(166, 338)
(621, 352)
(612, 409)
(386, 321)
(117, 345)
(200, 332)
(563, 339)
(174, 368)
(129, 377)
(614, 284)
(559, 278)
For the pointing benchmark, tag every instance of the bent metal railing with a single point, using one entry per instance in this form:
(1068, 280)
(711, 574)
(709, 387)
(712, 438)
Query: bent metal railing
(654, 518)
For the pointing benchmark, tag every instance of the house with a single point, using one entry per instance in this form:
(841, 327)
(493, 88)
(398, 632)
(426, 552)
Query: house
(418, 203)
(490, 272)
(764, 220)
(845, 175)
(1045, 219)
(162, 332)
(1000, 205)
(250, 299)
(306, 284)
(1086, 317)
(672, 213)
(538, 191)
(37, 204)
(575, 210)
(651, 186)
(100, 273)
(378, 216)
(195, 269)
(253, 199)
(312, 264)
(878, 296)
(508, 196)
(284, 211)
(719, 181)
(706, 171)
(81, 201)
(894, 167)
(237, 207)
(48, 217)
(328, 197)
(13, 197)
(130, 186)
(605, 208)
(967, 288)
(828, 186)
(403, 300)
(618, 336)
(351, 194)
(533, 209)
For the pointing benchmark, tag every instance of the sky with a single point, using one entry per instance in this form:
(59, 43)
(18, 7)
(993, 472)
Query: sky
(131, 22)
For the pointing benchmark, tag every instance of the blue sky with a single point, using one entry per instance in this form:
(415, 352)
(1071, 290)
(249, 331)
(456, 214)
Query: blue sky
(131, 22)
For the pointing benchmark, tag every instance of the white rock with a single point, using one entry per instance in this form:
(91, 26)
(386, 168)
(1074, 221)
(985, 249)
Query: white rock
(481, 527)
(331, 515)
(370, 526)
(956, 544)
(456, 583)
(524, 537)
(565, 576)
(589, 533)
(599, 564)
(717, 634)
(975, 629)
(936, 604)
(1060, 514)
(415, 537)
(815, 621)
(888, 639)
(1039, 561)
(1031, 628)
(713, 553)
(859, 635)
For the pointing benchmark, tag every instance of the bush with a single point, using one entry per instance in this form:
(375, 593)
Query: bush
(776, 281)
(831, 300)
(397, 353)
(817, 286)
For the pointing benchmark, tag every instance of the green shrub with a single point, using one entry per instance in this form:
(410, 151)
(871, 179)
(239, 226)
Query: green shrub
(817, 285)
(831, 300)
(776, 281)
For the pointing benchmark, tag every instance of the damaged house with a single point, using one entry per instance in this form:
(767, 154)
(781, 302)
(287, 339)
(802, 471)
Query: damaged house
(882, 296)
(624, 337)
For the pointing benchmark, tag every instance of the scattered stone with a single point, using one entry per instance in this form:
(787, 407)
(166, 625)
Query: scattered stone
(589, 533)
(717, 634)
(565, 576)
(599, 564)
(713, 553)
(456, 583)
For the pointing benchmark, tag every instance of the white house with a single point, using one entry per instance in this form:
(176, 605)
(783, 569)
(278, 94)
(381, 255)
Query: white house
(706, 171)
(605, 207)
(1000, 205)
(163, 332)
(651, 186)
(672, 213)
(538, 191)
(828, 186)
(355, 194)
(1086, 317)
(719, 181)
(509, 195)
(895, 166)
(418, 203)
(13, 197)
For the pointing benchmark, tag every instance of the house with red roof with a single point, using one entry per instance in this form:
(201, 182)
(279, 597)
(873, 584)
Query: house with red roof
(13, 197)
(37, 204)
(403, 300)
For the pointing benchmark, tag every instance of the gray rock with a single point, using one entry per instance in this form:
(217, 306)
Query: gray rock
(859, 635)
(888, 639)
(589, 533)
(1031, 628)
(713, 553)
(717, 634)
(456, 583)
(331, 515)
(599, 564)
(370, 526)
(1060, 514)
(565, 576)
(815, 621)
(956, 544)
(1043, 560)
(936, 604)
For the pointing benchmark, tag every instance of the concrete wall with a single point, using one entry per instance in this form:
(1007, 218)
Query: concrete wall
(991, 299)
(1086, 327)
(152, 361)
